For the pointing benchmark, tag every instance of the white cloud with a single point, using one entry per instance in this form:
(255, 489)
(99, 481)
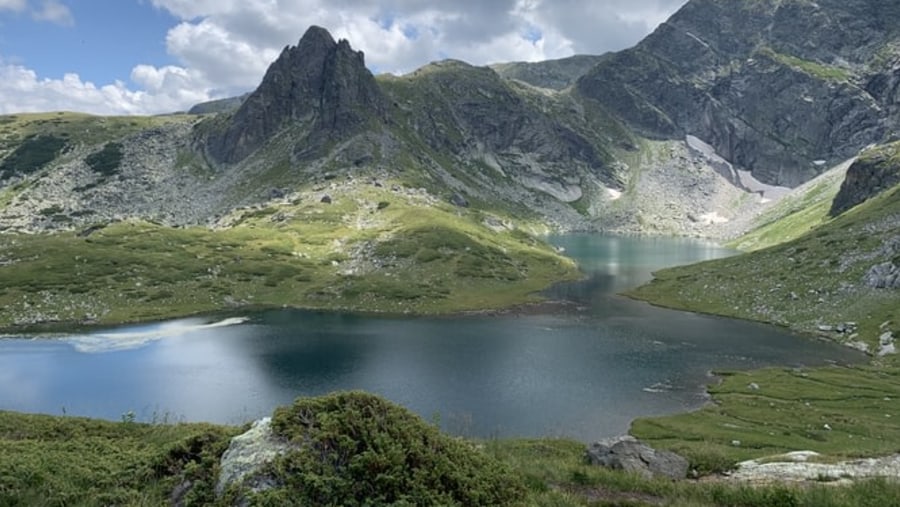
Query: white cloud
(54, 12)
(12, 5)
(166, 89)
(223, 47)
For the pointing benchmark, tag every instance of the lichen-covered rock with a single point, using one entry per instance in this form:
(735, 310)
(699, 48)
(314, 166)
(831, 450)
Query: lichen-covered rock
(883, 276)
(248, 453)
(631, 455)
(795, 467)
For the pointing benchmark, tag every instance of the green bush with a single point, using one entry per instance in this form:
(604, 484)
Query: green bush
(106, 161)
(32, 155)
(358, 449)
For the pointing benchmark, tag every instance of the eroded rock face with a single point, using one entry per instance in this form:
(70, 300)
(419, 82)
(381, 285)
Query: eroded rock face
(319, 82)
(248, 453)
(773, 86)
(875, 171)
(631, 455)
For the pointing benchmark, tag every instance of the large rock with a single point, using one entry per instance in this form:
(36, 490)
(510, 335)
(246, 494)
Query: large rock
(875, 171)
(883, 276)
(631, 455)
(247, 454)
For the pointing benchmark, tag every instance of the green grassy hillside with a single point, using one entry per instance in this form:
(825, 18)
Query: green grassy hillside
(816, 279)
(814, 284)
(369, 249)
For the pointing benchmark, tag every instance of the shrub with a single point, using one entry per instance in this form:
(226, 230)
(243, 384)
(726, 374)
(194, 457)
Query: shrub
(106, 161)
(33, 154)
(358, 449)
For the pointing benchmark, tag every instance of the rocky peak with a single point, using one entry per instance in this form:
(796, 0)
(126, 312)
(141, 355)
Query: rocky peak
(319, 82)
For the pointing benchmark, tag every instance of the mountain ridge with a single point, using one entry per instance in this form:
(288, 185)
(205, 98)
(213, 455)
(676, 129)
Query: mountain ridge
(322, 141)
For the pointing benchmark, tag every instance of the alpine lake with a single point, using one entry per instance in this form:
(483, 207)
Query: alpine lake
(582, 367)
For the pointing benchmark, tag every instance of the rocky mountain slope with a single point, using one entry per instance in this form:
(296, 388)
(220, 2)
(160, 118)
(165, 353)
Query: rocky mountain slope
(691, 132)
(553, 74)
(839, 279)
(784, 88)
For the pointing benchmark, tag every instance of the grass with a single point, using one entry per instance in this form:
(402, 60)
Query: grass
(78, 128)
(353, 254)
(557, 475)
(813, 280)
(815, 69)
(788, 411)
(63, 461)
(794, 215)
(49, 460)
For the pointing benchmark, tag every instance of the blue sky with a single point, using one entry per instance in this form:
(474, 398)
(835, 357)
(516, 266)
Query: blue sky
(104, 41)
(153, 56)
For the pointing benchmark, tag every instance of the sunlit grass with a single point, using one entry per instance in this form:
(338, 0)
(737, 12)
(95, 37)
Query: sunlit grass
(352, 254)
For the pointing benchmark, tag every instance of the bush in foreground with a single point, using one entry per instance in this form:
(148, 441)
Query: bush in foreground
(358, 449)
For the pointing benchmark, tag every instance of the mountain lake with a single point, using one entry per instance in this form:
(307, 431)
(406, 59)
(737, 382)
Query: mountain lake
(583, 368)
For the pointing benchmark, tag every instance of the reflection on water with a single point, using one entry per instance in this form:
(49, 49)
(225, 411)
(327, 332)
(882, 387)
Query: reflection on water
(584, 374)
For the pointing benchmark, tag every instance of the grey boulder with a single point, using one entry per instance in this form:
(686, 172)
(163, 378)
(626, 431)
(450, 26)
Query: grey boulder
(631, 455)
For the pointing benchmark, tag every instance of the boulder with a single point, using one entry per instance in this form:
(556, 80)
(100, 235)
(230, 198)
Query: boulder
(458, 200)
(629, 454)
(247, 454)
(883, 276)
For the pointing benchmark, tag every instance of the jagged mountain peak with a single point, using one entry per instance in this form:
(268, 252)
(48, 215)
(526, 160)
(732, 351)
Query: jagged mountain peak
(319, 83)
(316, 36)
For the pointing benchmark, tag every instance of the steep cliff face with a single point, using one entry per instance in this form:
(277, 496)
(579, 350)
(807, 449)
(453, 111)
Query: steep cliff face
(784, 88)
(319, 83)
(876, 171)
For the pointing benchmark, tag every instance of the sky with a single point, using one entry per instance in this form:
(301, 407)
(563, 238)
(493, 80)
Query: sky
(159, 56)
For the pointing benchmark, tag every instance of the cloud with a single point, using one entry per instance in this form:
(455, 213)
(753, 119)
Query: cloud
(223, 47)
(12, 5)
(54, 12)
(165, 89)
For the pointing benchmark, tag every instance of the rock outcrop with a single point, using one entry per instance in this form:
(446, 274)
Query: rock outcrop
(629, 454)
(773, 86)
(798, 466)
(875, 171)
(319, 83)
(247, 454)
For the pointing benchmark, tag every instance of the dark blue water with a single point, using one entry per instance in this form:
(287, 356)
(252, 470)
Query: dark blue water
(583, 372)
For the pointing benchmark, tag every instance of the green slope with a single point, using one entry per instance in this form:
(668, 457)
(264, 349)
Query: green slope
(370, 249)
(808, 284)
(814, 280)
